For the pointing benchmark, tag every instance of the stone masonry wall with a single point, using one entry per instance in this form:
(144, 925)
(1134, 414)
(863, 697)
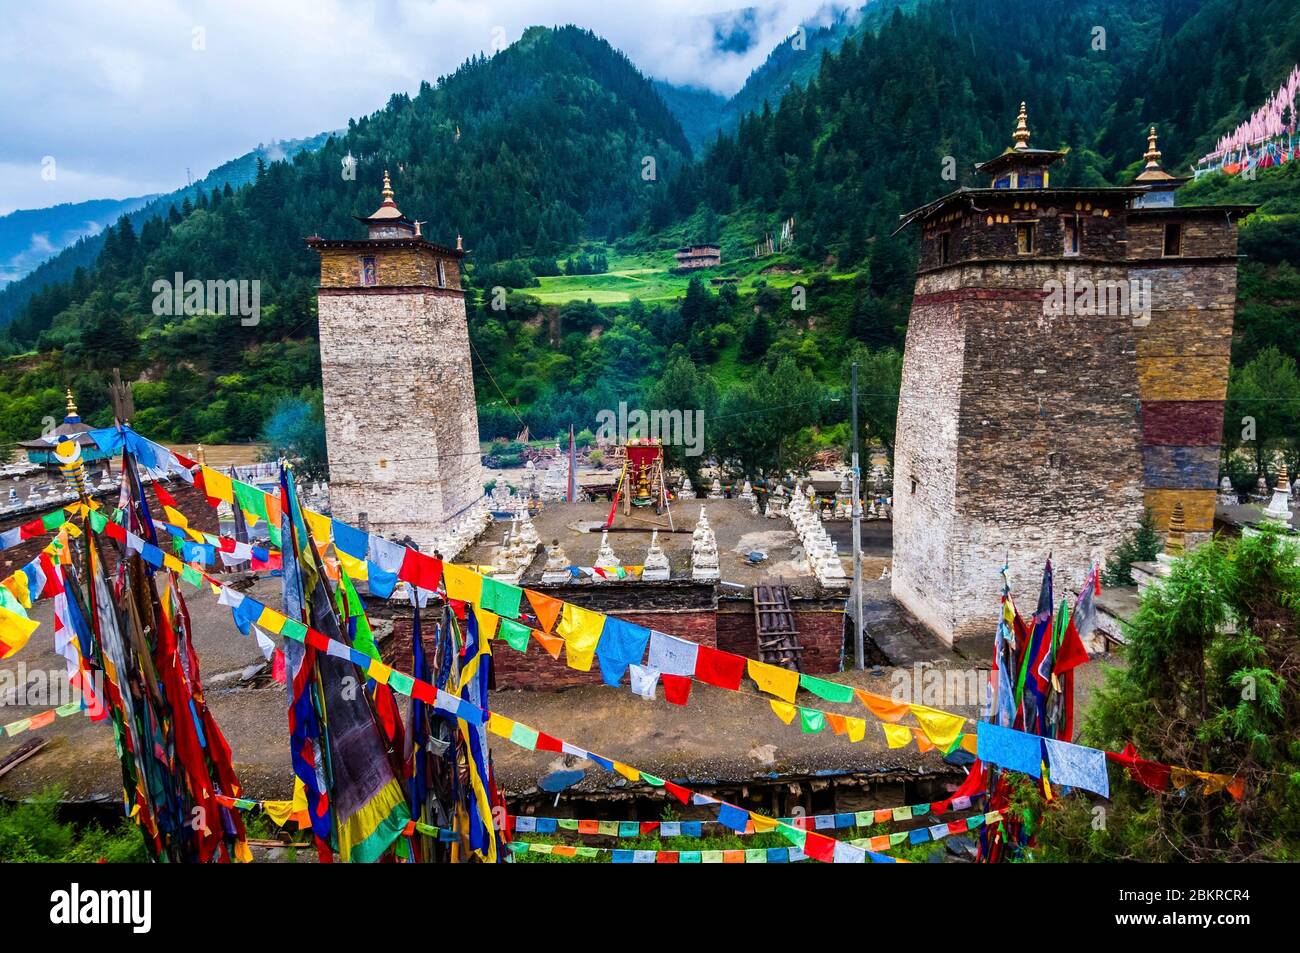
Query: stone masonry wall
(401, 424)
(925, 453)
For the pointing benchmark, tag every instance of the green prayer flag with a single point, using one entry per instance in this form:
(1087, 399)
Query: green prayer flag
(401, 683)
(811, 720)
(524, 736)
(252, 500)
(795, 835)
(864, 818)
(293, 629)
(651, 780)
(501, 598)
(919, 810)
(192, 576)
(568, 824)
(52, 521)
(514, 633)
(71, 708)
(896, 839)
(710, 856)
(831, 691)
(351, 608)
(607, 828)
(751, 856)
(97, 521)
(588, 852)
(974, 822)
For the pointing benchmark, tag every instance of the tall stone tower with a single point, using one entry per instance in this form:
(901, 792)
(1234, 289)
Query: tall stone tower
(1066, 365)
(400, 420)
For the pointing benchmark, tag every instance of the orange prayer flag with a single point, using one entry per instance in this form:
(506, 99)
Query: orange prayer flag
(923, 744)
(733, 856)
(546, 608)
(883, 708)
(838, 723)
(564, 850)
(552, 643)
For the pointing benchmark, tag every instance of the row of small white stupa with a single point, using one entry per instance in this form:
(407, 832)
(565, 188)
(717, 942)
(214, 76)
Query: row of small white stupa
(819, 549)
(55, 494)
(519, 545)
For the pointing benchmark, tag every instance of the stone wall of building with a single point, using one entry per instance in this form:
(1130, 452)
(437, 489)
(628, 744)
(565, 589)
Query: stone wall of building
(1183, 356)
(399, 267)
(1040, 454)
(401, 423)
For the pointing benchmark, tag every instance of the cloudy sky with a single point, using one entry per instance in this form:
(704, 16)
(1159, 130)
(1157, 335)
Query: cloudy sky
(116, 98)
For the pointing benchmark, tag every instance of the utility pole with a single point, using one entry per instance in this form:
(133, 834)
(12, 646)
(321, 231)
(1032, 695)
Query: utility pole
(858, 646)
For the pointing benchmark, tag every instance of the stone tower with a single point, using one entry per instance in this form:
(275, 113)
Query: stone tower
(400, 420)
(1066, 365)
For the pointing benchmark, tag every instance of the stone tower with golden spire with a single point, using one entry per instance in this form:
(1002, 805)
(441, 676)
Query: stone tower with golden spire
(1033, 422)
(400, 420)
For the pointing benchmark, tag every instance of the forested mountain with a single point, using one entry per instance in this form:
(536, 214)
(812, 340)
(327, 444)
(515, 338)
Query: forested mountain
(537, 154)
(81, 252)
(30, 236)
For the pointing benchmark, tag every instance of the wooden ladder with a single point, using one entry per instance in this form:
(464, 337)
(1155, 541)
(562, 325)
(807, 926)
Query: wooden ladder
(778, 641)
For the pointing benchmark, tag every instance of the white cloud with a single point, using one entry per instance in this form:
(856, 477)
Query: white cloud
(118, 91)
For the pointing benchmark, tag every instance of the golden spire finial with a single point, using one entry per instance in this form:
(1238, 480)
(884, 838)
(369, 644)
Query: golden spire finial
(1175, 544)
(1283, 483)
(459, 246)
(388, 188)
(72, 404)
(1152, 154)
(1021, 135)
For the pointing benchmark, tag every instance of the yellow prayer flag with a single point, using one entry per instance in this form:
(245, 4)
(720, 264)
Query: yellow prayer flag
(580, 629)
(15, 630)
(783, 710)
(857, 728)
(21, 587)
(318, 526)
(173, 563)
(940, 727)
(271, 621)
(487, 623)
(629, 772)
(898, 736)
(175, 516)
(462, 583)
(379, 671)
(762, 824)
(781, 682)
(278, 811)
(500, 725)
(355, 568)
(218, 485)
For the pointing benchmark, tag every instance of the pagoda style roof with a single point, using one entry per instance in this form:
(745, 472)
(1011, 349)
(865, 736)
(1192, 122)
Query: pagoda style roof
(72, 427)
(369, 244)
(1040, 195)
(1021, 157)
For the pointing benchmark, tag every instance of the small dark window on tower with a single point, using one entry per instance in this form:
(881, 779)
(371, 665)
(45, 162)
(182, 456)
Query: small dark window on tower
(442, 275)
(1054, 460)
(1025, 239)
(914, 486)
(1173, 239)
(369, 274)
(1071, 242)
(945, 248)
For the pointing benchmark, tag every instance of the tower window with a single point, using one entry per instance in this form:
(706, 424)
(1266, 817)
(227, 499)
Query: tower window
(1025, 239)
(914, 486)
(945, 248)
(442, 275)
(1071, 239)
(369, 274)
(1173, 239)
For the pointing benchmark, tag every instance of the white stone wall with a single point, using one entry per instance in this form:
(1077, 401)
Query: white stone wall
(401, 425)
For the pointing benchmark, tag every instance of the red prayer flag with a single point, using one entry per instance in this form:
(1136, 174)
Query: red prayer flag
(676, 790)
(719, 668)
(819, 847)
(420, 570)
(547, 742)
(1071, 653)
(165, 498)
(677, 688)
(666, 857)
